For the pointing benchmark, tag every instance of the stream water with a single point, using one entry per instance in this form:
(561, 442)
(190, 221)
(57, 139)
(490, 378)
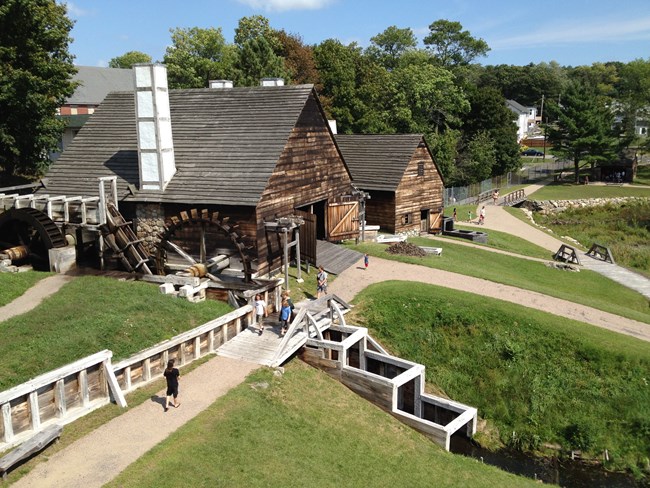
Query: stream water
(561, 472)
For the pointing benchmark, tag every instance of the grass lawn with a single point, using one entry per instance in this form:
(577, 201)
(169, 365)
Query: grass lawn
(571, 191)
(13, 285)
(88, 315)
(587, 287)
(536, 377)
(302, 429)
(507, 242)
(642, 175)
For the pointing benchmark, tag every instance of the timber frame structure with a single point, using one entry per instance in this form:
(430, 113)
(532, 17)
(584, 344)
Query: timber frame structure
(252, 154)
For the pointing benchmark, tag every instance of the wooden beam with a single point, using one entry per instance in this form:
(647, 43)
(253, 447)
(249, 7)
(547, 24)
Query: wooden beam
(113, 385)
(7, 423)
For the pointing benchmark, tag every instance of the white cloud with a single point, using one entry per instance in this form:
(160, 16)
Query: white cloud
(75, 11)
(595, 30)
(284, 5)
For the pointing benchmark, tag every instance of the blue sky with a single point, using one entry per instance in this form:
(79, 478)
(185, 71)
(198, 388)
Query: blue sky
(571, 32)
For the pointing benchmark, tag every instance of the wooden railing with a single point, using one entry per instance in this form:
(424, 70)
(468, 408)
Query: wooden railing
(514, 197)
(65, 394)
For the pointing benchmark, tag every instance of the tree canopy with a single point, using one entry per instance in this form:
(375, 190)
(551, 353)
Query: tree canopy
(453, 46)
(127, 60)
(35, 79)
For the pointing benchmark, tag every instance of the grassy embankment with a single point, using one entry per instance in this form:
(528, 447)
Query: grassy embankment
(587, 287)
(13, 285)
(302, 429)
(88, 315)
(571, 191)
(536, 377)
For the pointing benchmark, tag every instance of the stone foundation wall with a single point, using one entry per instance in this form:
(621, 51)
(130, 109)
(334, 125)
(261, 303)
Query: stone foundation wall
(149, 224)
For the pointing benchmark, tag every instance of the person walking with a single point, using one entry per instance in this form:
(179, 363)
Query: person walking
(455, 215)
(366, 260)
(285, 315)
(286, 295)
(481, 218)
(172, 376)
(322, 281)
(495, 196)
(260, 312)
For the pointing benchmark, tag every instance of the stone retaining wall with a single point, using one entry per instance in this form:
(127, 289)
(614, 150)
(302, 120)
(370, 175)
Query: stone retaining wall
(552, 206)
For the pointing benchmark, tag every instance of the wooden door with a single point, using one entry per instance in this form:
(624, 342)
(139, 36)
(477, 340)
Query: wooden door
(435, 227)
(342, 220)
(424, 221)
(308, 237)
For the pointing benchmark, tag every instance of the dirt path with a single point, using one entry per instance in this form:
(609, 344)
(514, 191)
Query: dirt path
(33, 296)
(355, 279)
(100, 456)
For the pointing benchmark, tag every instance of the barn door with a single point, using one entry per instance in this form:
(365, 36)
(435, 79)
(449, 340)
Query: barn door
(308, 237)
(435, 227)
(342, 220)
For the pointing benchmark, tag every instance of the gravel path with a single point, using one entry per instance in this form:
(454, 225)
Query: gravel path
(356, 278)
(33, 296)
(101, 455)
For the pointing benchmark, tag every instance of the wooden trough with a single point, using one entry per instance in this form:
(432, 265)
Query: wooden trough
(350, 355)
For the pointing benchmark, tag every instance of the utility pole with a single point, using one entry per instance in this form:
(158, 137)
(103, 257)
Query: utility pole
(541, 119)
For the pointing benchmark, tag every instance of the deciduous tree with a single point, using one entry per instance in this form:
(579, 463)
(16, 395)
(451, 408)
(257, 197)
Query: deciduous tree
(389, 46)
(35, 79)
(127, 60)
(453, 46)
(197, 56)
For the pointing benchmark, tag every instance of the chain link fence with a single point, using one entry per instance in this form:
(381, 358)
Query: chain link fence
(530, 173)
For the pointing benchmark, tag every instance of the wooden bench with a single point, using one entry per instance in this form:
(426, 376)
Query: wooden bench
(35, 444)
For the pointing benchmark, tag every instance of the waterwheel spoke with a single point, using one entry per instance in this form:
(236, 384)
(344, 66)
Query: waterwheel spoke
(170, 246)
(202, 252)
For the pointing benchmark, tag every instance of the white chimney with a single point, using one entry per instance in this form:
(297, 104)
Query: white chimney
(332, 124)
(154, 126)
(272, 82)
(220, 84)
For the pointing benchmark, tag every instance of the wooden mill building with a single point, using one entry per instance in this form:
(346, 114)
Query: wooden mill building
(245, 156)
(398, 171)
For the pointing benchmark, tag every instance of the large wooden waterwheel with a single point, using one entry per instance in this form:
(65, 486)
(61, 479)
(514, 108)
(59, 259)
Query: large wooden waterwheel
(202, 237)
(31, 233)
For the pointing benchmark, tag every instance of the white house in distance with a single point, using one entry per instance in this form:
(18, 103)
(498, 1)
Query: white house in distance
(526, 118)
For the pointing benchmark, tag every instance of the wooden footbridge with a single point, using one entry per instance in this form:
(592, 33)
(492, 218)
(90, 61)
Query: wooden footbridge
(270, 348)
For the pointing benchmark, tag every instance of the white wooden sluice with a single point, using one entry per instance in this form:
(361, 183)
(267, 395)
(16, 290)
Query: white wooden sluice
(350, 355)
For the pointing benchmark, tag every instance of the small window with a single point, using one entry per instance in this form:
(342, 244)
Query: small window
(421, 168)
(408, 218)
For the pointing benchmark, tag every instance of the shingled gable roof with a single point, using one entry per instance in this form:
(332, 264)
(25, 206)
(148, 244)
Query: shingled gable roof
(378, 162)
(226, 144)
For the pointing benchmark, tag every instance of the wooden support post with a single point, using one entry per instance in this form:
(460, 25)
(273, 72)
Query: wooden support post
(83, 387)
(298, 263)
(362, 353)
(6, 422)
(286, 258)
(224, 333)
(417, 401)
(197, 347)
(211, 341)
(146, 369)
(34, 413)
(165, 358)
(59, 399)
(127, 378)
